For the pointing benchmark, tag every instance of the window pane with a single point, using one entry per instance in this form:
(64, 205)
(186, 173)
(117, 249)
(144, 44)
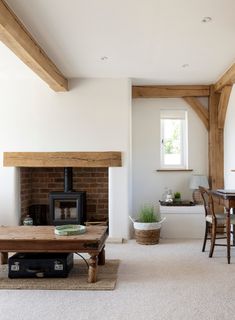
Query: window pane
(172, 141)
(174, 133)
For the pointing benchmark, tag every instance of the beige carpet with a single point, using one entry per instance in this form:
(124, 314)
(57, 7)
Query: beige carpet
(77, 279)
(172, 280)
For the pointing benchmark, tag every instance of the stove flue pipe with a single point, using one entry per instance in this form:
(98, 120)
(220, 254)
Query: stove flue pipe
(68, 179)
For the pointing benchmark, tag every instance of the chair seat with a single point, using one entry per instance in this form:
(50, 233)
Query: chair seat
(221, 218)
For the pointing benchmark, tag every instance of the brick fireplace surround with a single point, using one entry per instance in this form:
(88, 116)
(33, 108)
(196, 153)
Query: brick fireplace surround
(43, 172)
(37, 183)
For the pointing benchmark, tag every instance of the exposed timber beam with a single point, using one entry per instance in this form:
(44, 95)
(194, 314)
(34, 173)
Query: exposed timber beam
(178, 91)
(63, 159)
(223, 104)
(216, 143)
(200, 110)
(228, 78)
(15, 36)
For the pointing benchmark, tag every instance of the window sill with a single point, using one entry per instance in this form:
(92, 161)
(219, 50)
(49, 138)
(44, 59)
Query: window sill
(173, 170)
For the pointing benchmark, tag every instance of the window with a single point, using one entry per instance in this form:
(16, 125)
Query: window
(174, 136)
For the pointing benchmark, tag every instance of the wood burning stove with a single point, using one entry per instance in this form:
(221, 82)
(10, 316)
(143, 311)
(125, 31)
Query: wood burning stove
(69, 206)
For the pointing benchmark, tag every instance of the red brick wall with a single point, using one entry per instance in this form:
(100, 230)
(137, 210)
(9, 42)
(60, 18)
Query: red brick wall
(25, 190)
(37, 183)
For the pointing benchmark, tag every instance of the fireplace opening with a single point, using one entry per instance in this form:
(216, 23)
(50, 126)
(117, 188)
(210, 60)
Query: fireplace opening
(39, 213)
(69, 206)
(37, 183)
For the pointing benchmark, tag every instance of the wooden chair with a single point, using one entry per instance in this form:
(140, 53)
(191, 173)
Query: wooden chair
(213, 220)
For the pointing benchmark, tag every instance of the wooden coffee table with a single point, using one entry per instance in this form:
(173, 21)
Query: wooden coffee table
(43, 239)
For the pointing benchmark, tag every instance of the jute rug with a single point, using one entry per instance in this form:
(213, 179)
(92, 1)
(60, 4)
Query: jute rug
(77, 279)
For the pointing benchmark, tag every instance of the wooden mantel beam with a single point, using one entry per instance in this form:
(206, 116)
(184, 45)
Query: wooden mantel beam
(167, 91)
(228, 78)
(15, 36)
(62, 159)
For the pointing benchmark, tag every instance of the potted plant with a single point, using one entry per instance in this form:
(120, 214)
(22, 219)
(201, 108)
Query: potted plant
(147, 226)
(177, 196)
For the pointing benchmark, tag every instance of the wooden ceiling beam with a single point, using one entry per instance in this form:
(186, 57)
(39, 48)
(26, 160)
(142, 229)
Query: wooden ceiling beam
(200, 110)
(177, 91)
(228, 78)
(223, 105)
(15, 36)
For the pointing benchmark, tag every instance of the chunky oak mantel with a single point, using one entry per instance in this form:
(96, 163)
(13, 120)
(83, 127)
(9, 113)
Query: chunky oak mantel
(62, 159)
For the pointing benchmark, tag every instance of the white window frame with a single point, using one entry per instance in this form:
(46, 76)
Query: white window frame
(170, 114)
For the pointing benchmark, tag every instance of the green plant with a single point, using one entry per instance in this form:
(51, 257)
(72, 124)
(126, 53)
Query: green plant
(177, 195)
(147, 214)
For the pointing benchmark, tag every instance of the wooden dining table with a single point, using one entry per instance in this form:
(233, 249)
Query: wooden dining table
(226, 198)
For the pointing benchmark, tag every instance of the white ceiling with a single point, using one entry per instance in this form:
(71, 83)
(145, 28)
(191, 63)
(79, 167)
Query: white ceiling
(146, 40)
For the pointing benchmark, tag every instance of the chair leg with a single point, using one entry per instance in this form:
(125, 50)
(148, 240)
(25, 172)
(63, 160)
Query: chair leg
(234, 234)
(205, 236)
(213, 236)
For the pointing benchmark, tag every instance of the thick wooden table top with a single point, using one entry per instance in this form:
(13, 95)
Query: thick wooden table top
(226, 199)
(43, 239)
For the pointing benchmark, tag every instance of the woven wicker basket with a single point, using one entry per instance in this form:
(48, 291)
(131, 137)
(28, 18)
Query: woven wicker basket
(147, 236)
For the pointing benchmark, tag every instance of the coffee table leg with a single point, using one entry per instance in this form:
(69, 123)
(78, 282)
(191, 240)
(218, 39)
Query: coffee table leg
(92, 268)
(4, 258)
(101, 257)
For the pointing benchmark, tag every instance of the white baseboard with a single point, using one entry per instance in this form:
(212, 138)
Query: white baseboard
(114, 240)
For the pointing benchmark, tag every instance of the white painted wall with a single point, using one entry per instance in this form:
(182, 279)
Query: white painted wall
(148, 185)
(95, 115)
(183, 222)
(229, 145)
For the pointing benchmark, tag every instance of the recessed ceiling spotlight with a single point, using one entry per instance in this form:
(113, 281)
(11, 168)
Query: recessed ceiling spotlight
(206, 19)
(185, 65)
(103, 58)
